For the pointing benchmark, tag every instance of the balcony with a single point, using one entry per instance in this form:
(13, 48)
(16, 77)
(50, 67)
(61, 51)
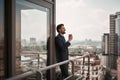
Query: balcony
(79, 70)
(38, 73)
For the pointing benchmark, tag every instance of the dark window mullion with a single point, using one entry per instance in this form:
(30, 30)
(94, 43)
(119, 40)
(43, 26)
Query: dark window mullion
(9, 38)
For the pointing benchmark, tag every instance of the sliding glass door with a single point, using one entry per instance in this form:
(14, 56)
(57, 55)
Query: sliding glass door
(32, 32)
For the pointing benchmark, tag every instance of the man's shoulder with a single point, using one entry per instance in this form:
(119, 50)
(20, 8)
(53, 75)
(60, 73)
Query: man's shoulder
(58, 36)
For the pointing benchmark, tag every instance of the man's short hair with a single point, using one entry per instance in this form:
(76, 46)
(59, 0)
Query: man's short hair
(59, 27)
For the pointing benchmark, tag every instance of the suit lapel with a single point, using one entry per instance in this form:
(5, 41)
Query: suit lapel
(63, 38)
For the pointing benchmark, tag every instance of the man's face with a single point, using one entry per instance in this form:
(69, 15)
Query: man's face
(62, 30)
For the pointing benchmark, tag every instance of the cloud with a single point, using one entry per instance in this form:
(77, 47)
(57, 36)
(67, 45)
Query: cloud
(82, 19)
(38, 28)
(71, 3)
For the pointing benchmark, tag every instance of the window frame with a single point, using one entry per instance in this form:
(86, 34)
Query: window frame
(10, 34)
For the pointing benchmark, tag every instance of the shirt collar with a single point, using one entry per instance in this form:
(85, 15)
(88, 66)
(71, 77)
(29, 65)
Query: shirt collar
(61, 34)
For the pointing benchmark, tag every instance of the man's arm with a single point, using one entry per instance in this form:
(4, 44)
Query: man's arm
(62, 45)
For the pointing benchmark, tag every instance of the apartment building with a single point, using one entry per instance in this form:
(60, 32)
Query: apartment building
(93, 69)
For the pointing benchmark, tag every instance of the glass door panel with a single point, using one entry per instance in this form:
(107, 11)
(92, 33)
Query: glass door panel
(32, 28)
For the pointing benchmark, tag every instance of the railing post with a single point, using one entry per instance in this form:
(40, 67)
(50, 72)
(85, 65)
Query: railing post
(72, 67)
(38, 60)
(39, 75)
(39, 72)
(88, 75)
(83, 65)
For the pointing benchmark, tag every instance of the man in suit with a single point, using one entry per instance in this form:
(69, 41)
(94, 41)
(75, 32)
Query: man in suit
(62, 49)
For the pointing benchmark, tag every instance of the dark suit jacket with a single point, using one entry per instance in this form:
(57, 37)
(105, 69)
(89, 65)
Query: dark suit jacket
(61, 48)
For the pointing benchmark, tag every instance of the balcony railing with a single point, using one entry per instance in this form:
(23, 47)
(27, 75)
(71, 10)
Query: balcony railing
(39, 72)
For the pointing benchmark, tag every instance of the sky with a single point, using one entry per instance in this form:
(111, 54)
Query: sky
(33, 21)
(34, 24)
(86, 19)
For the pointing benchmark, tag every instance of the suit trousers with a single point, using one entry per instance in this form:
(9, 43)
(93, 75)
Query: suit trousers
(64, 70)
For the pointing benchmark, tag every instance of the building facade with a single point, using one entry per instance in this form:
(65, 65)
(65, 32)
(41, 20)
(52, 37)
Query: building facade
(96, 69)
(105, 50)
(117, 22)
(118, 69)
(105, 44)
(113, 51)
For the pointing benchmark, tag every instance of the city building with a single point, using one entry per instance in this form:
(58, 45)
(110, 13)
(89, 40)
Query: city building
(117, 24)
(24, 42)
(105, 50)
(105, 44)
(110, 44)
(118, 69)
(104, 60)
(117, 20)
(113, 38)
(94, 68)
(32, 42)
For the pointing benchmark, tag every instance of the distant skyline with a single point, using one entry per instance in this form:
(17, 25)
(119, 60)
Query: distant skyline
(86, 19)
(38, 28)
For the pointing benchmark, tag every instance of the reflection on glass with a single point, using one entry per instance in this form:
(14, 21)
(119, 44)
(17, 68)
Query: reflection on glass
(2, 67)
(31, 34)
(1, 21)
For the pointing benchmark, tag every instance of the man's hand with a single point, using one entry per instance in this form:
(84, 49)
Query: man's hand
(70, 37)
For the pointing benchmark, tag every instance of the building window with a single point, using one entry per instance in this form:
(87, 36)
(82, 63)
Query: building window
(32, 32)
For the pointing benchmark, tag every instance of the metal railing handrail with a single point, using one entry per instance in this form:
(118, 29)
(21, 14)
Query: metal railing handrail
(23, 75)
(29, 73)
(60, 63)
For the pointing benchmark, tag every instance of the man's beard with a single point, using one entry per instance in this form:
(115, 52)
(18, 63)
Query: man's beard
(63, 32)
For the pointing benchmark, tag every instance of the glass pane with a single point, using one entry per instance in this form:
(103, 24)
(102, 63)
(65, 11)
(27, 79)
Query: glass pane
(31, 34)
(2, 40)
(1, 21)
